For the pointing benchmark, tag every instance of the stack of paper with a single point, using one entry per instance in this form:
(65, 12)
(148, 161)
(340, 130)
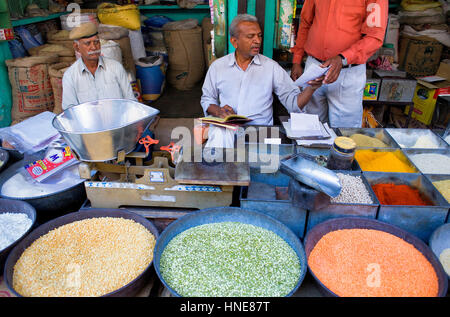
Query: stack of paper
(312, 72)
(307, 130)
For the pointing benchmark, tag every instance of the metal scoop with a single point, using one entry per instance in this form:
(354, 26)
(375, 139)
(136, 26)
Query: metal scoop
(305, 170)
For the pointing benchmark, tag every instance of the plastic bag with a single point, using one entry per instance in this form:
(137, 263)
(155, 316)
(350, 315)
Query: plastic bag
(112, 50)
(127, 16)
(17, 49)
(32, 134)
(419, 5)
(32, 28)
(157, 22)
(27, 38)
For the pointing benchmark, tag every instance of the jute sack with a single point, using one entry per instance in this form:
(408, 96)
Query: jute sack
(30, 85)
(120, 36)
(51, 49)
(56, 72)
(186, 61)
(207, 27)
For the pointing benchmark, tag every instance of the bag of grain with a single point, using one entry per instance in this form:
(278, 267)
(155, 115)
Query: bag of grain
(30, 85)
(60, 37)
(127, 16)
(51, 49)
(120, 36)
(185, 50)
(207, 27)
(111, 49)
(56, 72)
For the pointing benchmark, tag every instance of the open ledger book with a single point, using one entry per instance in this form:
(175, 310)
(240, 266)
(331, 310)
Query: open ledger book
(233, 121)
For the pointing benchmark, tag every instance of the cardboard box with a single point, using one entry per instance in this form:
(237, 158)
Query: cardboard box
(426, 94)
(419, 56)
(372, 89)
(397, 90)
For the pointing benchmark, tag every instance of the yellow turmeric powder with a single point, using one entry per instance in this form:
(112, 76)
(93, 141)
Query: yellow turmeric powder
(373, 161)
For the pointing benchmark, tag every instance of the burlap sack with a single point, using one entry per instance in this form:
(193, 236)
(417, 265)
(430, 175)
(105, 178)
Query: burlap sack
(120, 36)
(58, 35)
(51, 49)
(56, 72)
(30, 85)
(207, 27)
(186, 61)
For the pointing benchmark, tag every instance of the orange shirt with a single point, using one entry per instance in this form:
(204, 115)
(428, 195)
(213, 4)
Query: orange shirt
(353, 28)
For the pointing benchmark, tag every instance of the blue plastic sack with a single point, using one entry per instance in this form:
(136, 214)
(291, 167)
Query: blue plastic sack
(27, 38)
(157, 21)
(17, 49)
(36, 33)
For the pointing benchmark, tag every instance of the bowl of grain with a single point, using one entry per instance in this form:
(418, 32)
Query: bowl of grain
(440, 244)
(229, 252)
(89, 253)
(16, 220)
(358, 257)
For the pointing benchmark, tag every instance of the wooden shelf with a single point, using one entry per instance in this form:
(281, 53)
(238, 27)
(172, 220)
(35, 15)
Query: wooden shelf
(36, 19)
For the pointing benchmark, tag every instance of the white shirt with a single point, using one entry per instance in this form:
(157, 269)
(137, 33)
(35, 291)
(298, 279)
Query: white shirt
(249, 92)
(110, 82)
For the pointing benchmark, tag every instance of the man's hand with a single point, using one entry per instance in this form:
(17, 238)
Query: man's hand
(316, 83)
(335, 64)
(296, 71)
(220, 112)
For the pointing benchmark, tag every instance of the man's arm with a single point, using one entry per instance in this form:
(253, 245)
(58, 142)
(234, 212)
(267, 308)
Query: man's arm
(306, 19)
(305, 96)
(373, 30)
(69, 95)
(210, 97)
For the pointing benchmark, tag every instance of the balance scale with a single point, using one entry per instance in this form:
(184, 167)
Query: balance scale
(161, 183)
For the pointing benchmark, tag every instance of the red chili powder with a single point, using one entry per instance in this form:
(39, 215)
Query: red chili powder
(391, 194)
(366, 263)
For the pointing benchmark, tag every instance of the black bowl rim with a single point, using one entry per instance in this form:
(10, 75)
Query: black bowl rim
(86, 214)
(437, 268)
(303, 268)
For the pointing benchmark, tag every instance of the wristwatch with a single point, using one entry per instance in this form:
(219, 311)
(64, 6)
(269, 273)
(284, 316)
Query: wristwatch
(344, 60)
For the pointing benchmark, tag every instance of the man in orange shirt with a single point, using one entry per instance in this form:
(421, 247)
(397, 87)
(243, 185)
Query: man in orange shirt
(342, 35)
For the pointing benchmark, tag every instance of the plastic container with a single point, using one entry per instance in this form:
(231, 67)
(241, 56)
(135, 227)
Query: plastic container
(67, 20)
(342, 154)
(150, 75)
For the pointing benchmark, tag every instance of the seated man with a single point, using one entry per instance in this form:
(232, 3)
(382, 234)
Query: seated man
(93, 77)
(243, 82)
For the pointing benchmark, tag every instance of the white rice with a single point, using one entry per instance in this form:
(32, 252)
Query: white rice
(12, 227)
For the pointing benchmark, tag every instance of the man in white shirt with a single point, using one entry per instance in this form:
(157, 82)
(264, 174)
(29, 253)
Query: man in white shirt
(243, 82)
(93, 77)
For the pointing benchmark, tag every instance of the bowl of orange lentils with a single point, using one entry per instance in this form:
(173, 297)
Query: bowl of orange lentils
(360, 257)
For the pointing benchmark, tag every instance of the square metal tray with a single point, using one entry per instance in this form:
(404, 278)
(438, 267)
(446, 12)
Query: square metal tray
(419, 220)
(379, 133)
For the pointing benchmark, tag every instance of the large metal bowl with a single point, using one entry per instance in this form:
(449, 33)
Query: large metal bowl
(223, 214)
(440, 240)
(20, 207)
(96, 131)
(58, 195)
(315, 234)
(131, 289)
